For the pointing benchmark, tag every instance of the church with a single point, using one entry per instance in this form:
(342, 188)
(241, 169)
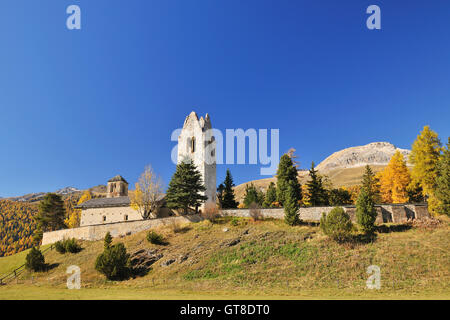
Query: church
(195, 142)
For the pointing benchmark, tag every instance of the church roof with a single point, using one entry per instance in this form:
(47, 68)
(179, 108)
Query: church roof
(117, 178)
(105, 203)
(110, 202)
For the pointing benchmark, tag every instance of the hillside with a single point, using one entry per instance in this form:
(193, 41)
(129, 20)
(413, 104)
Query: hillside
(16, 226)
(344, 168)
(266, 259)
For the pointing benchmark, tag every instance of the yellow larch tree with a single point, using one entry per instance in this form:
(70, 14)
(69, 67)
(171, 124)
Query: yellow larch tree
(394, 180)
(74, 218)
(425, 153)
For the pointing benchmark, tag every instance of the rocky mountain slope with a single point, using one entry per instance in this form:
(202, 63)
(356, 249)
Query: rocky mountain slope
(376, 153)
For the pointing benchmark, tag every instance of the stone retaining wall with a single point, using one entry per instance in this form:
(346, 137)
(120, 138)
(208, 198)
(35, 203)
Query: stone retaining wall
(98, 232)
(397, 213)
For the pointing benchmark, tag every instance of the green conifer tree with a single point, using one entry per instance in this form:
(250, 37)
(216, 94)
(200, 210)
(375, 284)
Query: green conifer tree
(228, 200)
(287, 175)
(318, 195)
(291, 205)
(442, 188)
(185, 188)
(271, 196)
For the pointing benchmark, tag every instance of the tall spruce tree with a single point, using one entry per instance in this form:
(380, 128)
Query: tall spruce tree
(442, 188)
(370, 183)
(185, 187)
(271, 196)
(365, 204)
(287, 175)
(291, 205)
(318, 195)
(228, 199)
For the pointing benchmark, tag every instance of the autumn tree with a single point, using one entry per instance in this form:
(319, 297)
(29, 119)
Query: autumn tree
(74, 215)
(186, 187)
(147, 197)
(394, 180)
(287, 175)
(317, 192)
(424, 157)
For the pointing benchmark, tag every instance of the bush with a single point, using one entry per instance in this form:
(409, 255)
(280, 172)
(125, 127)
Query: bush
(67, 245)
(255, 212)
(60, 247)
(35, 260)
(72, 246)
(210, 212)
(337, 224)
(234, 221)
(155, 238)
(114, 262)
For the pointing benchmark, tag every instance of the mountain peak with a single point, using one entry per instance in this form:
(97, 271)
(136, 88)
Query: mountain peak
(375, 153)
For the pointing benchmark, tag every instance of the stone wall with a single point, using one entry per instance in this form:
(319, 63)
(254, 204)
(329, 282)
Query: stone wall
(397, 213)
(98, 232)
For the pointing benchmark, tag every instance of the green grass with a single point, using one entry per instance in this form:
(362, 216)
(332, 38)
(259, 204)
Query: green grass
(9, 263)
(272, 260)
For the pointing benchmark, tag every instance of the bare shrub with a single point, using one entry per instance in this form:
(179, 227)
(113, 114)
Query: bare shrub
(210, 212)
(255, 212)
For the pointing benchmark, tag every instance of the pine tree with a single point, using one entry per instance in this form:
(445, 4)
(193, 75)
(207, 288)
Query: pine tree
(107, 241)
(287, 175)
(317, 194)
(424, 157)
(394, 180)
(35, 261)
(442, 188)
(365, 211)
(228, 199)
(51, 214)
(185, 188)
(291, 205)
(371, 184)
(271, 196)
(252, 196)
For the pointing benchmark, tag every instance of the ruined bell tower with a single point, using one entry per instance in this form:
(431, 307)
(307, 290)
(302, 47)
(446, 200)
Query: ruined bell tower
(196, 142)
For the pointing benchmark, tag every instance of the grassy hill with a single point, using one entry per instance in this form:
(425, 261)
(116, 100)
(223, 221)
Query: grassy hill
(342, 177)
(266, 259)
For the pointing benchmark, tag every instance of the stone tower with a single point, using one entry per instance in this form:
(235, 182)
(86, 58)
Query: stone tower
(117, 187)
(196, 142)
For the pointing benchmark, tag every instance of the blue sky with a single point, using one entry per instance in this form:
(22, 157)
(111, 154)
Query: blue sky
(78, 107)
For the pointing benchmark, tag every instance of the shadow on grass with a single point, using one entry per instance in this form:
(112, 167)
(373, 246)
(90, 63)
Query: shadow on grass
(183, 229)
(393, 228)
(52, 266)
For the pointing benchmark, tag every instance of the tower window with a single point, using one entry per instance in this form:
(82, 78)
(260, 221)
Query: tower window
(193, 144)
(104, 218)
(125, 217)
